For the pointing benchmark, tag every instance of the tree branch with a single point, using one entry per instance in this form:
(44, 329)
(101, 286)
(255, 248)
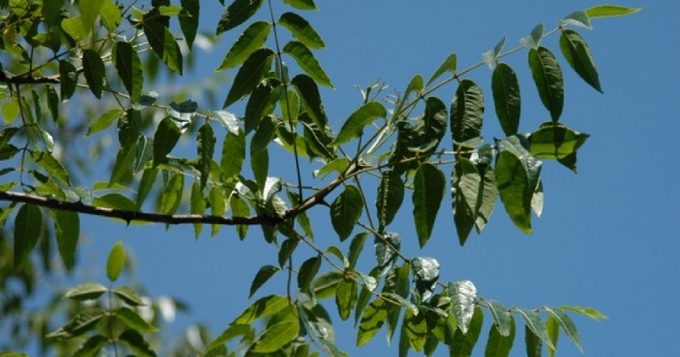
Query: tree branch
(10, 79)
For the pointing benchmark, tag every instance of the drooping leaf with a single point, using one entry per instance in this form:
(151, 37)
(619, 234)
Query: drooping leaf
(346, 210)
(217, 206)
(467, 112)
(68, 78)
(499, 345)
(250, 41)
(53, 166)
(265, 272)
(487, 197)
(301, 30)
(249, 75)
(197, 205)
(172, 194)
(115, 261)
(426, 272)
(311, 100)
(259, 164)
(67, 229)
(346, 297)
(237, 13)
(260, 104)
(533, 343)
(463, 343)
(585, 311)
(385, 253)
(79, 324)
(533, 321)
(91, 347)
(429, 184)
(576, 51)
(610, 10)
(234, 330)
(132, 320)
(354, 125)
(164, 140)
(449, 65)
(465, 185)
(127, 294)
(553, 329)
(278, 334)
(52, 102)
(390, 196)
(308, 270)
(506, 96)
(162, 41)
(463, 295)
(502, 318)
(145, 184)
(416, 330)
(355, 248)
(547, 75)
(206, 149)
(305, 59)
(129, 68)
(86, 291)
(372, 319)
(233, 154)
(136, 342)
(188, 19)
(27, 229)
(263, 307)
(94, 70)
(566, 324)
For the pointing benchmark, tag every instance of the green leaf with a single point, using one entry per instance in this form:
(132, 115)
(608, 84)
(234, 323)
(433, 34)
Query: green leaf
(132, 320)
(416, 330)
(463, 295)
(533, 321)
(67, 230)
(576, 52)
(228, 334)
(233, 154)
(27, 229)
(53, 167)
(311, 100)
(172, 194)
(104, 121)
(463, 343)
(428, 191)
(163, 42)
(301, 4)
(129, 68)
(145, 184)
(250, 40)
(94, 70)
(115, 262)
(188, 19)
(325, 285)
(355, 248)
(307, 272)
(259, 164)
(548, 78)
(555, 141)
(502, 318)
(390, 197)
(279, 334)
(79, 324)
(610, 10)
(127, 294)
(68, 78)
(263, 307)
(260, 104)
(498, 344)
(10, 110)
(465, 184)
(467, 112)
(249, 75)
(346, 210)
(115, 201)
(354, 125)
(110, 15)
(585, 311)
(89, 10)
(305, 59)
(426, 272)
(237, 13)
(164, 140)
(486, 200)
(301, 30)
(566, 324)
(75, 28)
(506, 98)
(135, 341)
(52, 103)
(239, 208)
(577, 18)
(265, 272)
(346, 297)
(86, 291)
(372, 319)
(449, 65)
(206, 149)
(553, 330)
(533, 343)
(197, 205)
(90, 348)
(217, 206)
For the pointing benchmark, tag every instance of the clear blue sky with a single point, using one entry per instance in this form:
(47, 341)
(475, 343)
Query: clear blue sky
(608, 237)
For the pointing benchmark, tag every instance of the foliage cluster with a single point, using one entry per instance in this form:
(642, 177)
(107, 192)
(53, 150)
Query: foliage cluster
(54, 52)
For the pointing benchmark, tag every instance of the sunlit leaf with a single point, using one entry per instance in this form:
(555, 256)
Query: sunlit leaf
(237, 13)
(533, 343)
(249, 75)
(263, 307)
(498, 344)
(346, 297)
(610, 10)
(163, 42)
(265, 272)
(533, 321)
(301, 30)
(463, 295)
(233, 154)
(305, 59)
(449, 65)
(172, 194)
(373, 318)
(301, 4)
(555, 141)
(104, 121)
(308, 270)
(250, 40)
(132, 320)
(115, 261)
(463, 343)
(585, 311)
(86, 291)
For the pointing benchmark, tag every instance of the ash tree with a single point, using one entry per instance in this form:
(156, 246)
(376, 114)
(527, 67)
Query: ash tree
(73, 71)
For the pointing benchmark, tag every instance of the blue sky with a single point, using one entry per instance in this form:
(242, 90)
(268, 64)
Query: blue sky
(608, 237)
